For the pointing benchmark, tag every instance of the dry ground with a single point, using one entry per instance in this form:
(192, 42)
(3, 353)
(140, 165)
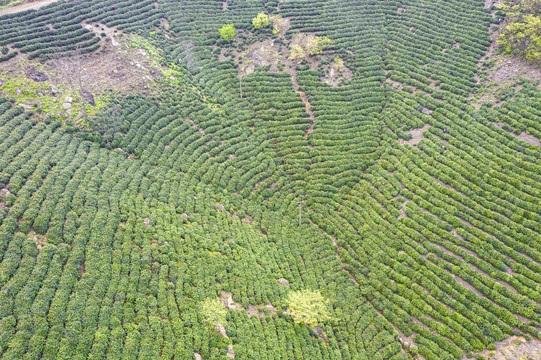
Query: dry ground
(514, 348)
(116, 66)
(32, 5)
(506, 71)
(416, 136)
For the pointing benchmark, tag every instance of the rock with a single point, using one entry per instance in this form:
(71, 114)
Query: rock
(220, 207)
(54, 90)
(185, 216)
(230, 351)
(197, 356)
(283, 281)
(66, 105)
(4, 192)
(25, 106)
(146, 221)
(69, 99)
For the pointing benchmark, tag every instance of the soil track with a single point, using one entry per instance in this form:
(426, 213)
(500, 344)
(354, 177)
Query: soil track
(34, 5)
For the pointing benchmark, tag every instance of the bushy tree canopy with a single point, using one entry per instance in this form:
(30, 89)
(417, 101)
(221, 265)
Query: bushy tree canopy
(522, 34)
(213, 312)
(260, 21)
(228, 32)
(308, 307)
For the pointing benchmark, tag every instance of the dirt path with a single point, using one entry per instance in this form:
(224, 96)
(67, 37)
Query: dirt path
(34, 5)
(305, 101)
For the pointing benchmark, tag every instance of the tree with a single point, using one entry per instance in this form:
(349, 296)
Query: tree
(228, 32)
(296, 53)
(278, 25)
(213, 312)
(338, 63)
(308, 307)
(308, 45)
(522, 34)
(316, 44)
(260, 21)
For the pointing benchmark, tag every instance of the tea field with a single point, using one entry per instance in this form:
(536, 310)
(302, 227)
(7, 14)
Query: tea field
(385, 172)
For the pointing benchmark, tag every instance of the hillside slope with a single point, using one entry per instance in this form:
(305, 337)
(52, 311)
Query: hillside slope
(404, 185)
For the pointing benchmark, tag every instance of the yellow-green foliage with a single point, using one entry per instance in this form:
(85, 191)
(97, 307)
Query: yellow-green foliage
(260, 21)
(296, 53)
(316, 44)
(522, 35)
(308, 45)
(338, 63)
(278, 24)
(308, 307)
(12, 3)
(213, 312)
(228, 32)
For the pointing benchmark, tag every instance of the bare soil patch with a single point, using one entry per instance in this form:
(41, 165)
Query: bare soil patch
(230, 352)
(120, 65)
(489, 3)
(514, 348)
(32, 5)
(416, 136)
(335, 75)
(395, 84)
(39, 240)
(82, 269)
(503, 70)
(226, 298)
(510, 69)
(530, 139)
(402, 212)
(260, 54)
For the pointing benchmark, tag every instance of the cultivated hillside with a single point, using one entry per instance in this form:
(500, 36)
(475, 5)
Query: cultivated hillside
(340, 179)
